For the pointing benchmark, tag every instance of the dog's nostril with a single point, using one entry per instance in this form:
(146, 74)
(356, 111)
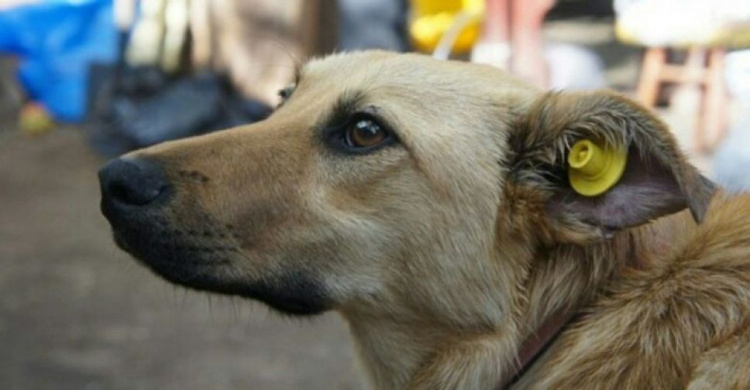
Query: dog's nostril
(135, 182)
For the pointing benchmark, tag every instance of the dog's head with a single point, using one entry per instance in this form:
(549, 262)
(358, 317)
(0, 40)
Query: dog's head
(384, 179)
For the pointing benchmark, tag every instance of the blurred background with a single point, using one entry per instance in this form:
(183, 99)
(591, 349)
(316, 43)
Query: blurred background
(82, 81)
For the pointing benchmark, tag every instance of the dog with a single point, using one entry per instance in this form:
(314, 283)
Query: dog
(428, 202)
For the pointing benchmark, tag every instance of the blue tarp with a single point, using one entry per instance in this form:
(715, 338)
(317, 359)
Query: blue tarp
(57, 41)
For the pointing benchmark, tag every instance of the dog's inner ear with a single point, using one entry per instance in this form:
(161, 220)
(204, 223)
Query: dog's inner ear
(657, 180)
(646, 190)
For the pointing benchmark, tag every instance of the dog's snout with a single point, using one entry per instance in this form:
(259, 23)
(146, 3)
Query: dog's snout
(132, 182)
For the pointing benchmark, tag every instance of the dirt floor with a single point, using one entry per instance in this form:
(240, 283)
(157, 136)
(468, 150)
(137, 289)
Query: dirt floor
(77, 313)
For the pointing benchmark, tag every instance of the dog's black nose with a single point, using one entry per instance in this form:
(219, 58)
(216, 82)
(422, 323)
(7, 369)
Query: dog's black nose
(132, 182)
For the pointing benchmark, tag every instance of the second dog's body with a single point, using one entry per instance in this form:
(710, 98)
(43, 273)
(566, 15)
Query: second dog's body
(428, 203)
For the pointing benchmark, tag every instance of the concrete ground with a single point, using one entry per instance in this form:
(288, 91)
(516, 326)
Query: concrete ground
(77, 313)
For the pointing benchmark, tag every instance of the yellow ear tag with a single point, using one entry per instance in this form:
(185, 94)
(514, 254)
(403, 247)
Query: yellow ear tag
(594, 168)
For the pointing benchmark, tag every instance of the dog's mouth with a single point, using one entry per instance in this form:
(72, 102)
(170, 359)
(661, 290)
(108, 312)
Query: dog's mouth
(206, 260)
(180, 255)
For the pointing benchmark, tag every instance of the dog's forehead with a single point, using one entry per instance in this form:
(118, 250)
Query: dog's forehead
(347, 62)
(374, 66)
(431, 104)
(380, 69)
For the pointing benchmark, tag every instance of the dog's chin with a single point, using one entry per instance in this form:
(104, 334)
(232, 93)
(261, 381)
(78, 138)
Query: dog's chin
(290, 292)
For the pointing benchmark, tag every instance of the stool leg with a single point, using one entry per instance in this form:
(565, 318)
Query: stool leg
(497, 25)
(495, 46)
(714, 103)
(692, 81)
(648, 86)
(528, 60)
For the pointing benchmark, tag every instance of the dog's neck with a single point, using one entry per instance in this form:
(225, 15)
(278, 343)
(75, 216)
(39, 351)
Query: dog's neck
(532, 284)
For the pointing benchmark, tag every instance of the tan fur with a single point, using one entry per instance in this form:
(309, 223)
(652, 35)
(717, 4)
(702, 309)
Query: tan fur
(651, 329)
(446, 251)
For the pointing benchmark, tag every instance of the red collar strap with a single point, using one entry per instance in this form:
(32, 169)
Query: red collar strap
(537, 343)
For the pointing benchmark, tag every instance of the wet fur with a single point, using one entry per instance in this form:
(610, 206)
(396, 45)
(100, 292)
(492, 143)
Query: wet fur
(446, 250)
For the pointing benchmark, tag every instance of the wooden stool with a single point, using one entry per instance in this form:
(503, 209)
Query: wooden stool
(702, 67)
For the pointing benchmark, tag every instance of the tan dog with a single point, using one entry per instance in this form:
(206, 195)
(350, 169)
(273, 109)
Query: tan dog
(428, 203)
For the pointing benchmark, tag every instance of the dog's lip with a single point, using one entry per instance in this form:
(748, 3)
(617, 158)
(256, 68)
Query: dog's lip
(160, 247)
(292, 294)
(120, 241)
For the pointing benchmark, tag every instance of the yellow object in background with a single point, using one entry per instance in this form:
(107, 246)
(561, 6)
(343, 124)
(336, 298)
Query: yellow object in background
(595, 167)
(433, 18)
(35, 120)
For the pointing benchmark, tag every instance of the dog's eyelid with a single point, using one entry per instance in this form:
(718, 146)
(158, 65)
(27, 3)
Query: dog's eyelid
(370, 109)
(380, 116)
(375, 113)
(336, 131)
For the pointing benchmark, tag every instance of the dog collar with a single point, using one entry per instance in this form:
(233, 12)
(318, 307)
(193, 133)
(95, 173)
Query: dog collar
(543, 337)
(537, 343)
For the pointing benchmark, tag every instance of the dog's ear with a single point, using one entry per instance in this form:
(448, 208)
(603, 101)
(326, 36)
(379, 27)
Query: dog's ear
(657, 179)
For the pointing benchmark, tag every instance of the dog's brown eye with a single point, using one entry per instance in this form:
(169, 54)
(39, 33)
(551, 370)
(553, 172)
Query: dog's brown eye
(365, 133)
